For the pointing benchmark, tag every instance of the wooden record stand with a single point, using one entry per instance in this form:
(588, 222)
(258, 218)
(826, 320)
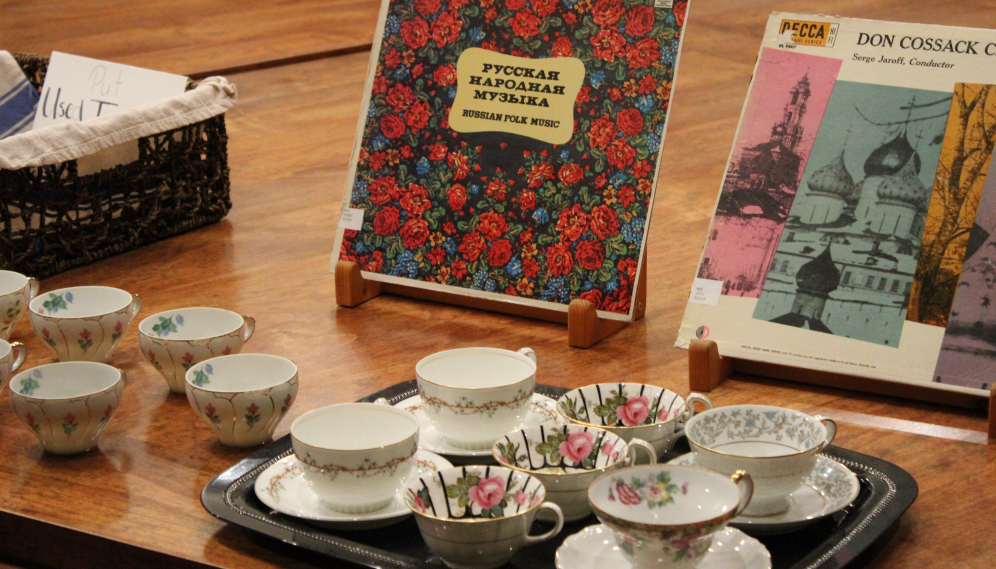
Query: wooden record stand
(584, 327)
(707, 370)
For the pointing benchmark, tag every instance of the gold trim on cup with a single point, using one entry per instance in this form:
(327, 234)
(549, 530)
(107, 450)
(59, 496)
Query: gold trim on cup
(504, 352)
(208, 339)
(497, 456)
(673, 527)
(654, 424)
(815, 448)
(473, 520)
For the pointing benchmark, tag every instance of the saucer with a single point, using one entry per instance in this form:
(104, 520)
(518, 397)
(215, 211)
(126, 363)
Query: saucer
(595, 547)
(829, 488)
(542, 409)
(282, 488)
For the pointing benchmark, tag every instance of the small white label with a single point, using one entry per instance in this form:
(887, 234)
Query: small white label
(705, 291)
(664, 4)
(353, 219)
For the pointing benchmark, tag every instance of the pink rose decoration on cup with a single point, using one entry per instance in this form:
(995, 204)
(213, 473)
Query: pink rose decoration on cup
(521, 498)
(634, 411)
(607, 449)
(488, 492)
(664, 415)
(578, 446)
(627, 495)
(420, 504)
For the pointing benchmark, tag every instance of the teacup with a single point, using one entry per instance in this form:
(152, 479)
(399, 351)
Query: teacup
(665, 516)
(67, 404)
(567, 459)
(356, 456)
(473, 396)
(776, 446)
(479, 516)
(631, 410)
(16, 291)
(175, 340)
(242, 396)
(83, 323)
(11, 358)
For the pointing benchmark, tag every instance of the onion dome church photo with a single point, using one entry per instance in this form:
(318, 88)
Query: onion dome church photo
(848, 253)
(763, 181)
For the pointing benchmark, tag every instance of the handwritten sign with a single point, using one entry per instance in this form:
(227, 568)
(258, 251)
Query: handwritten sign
(79, 88)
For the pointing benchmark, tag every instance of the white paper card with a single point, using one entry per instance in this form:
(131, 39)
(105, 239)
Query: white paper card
(705, 291)
(79, 88)
(351, 218)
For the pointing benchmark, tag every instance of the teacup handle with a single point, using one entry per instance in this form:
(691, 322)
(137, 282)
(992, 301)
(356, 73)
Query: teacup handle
(638, 444)
(690, 410)
(248, 327)
(531, 539)
(34, 285)
(19, 358)
(529, 353)
(135, 307)
(831, 426)
(746, 485)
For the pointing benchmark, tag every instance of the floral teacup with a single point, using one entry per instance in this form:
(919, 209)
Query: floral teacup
(11, 358)
(631, 410)
(473, 396)
(776, 446)
(83, 323)
(356, 456)
(479, 516)
(567, 459)
(665, 516)
(175, 340)
(242, 396)
(16, 291)
(68, 404)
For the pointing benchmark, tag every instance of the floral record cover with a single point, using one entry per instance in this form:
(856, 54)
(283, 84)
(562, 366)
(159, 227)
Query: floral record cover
(508, 148)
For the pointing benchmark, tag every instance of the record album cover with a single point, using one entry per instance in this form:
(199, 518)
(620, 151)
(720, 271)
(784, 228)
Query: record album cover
(508, 149)
(852, 230)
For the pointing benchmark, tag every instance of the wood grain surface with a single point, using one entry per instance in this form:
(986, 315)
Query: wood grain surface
(135, 501)
(190, 37)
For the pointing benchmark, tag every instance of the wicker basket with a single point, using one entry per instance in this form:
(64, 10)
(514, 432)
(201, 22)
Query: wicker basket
(53, 219)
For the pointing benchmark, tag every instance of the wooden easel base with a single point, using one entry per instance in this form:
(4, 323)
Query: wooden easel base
(584, 327)
(707, 370)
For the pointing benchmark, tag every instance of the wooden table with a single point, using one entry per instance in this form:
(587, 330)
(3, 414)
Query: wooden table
(136, 500)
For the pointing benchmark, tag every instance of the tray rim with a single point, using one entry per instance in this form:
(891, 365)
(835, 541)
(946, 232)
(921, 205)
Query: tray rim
(216, 498)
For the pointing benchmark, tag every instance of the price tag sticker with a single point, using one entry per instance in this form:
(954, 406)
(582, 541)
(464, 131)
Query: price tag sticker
(706, 291)
(351, 218)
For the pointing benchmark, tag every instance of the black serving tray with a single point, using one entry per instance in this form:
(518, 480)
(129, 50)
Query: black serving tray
(834, 542)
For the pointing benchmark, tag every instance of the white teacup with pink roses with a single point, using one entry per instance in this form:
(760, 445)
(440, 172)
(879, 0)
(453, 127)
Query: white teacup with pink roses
(479, 516)
(567, 459)
(631, 411)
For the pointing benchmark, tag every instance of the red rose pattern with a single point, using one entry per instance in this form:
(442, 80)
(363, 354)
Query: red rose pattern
(457, 196)
(590, 255)
(630, 122)
(561, 222)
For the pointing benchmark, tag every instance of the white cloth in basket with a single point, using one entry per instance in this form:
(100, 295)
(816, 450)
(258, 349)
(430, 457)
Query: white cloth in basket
(70, 141)
(18, 98)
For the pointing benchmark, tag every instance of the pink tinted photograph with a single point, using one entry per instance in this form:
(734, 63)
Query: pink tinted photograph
(788, 97)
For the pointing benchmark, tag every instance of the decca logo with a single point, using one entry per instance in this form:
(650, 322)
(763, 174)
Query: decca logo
(819, 34)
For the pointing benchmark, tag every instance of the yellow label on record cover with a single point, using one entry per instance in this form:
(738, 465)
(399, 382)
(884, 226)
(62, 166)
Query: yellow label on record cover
(819, 34)
(530, 97)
